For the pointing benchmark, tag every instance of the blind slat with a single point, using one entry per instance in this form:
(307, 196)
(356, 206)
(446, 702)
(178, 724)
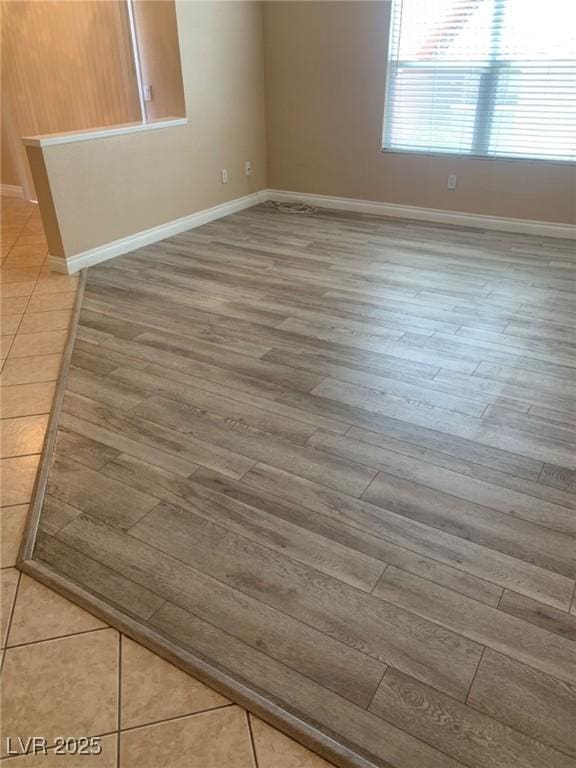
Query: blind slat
(482, 77)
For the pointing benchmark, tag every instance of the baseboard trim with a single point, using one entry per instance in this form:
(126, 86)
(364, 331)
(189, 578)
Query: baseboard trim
(94, 256)
(434, 215)
(10, 190)
(79, 261)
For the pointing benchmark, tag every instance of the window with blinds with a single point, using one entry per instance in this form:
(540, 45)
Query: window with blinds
(488, 78)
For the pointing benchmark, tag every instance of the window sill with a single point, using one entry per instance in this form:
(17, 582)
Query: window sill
(50, 139)
(469, 156)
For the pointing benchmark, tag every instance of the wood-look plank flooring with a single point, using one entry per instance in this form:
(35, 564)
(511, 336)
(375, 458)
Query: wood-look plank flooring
(334, 457)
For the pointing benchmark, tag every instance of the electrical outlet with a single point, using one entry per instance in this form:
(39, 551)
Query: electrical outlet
(224, 175)
(147, 92)
(452, 179)
(248, 168)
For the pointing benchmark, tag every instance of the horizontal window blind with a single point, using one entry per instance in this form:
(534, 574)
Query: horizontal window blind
(490, 78)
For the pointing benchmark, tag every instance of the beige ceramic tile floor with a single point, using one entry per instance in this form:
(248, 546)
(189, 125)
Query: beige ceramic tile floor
(64, 672)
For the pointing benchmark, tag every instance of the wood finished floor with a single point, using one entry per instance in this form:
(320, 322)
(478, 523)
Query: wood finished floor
(335, 457)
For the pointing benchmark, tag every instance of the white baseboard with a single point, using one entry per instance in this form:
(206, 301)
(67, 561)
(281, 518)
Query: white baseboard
(79, 261)
(500, 224)
(9, 190)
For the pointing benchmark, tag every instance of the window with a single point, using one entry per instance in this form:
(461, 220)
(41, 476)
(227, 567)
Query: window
(488, 78)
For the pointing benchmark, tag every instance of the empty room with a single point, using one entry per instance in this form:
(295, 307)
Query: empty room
(288, 384)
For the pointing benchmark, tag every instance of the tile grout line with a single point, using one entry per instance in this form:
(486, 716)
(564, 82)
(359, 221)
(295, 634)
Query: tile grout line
(36, 282)
(39, 489)
(10, 618)
(119, 732)
(57, 637)
(186, 715)
(20, 231)
(252, 739)
(29, 298)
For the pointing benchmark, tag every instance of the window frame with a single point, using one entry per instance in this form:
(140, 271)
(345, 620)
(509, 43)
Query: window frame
(393, 66)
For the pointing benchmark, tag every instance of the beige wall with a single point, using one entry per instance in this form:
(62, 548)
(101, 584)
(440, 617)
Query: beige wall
(110, 188)
(325, 82)
(157, 33)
